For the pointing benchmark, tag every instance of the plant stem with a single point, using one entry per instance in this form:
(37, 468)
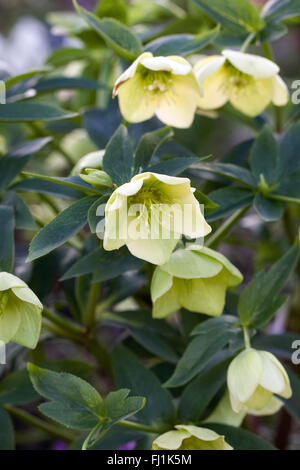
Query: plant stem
(89, 314)
(248, 41)
(66, 324)
(63, 182)
(139, 427)
(53, 429)
(226, 227)
(246, 337)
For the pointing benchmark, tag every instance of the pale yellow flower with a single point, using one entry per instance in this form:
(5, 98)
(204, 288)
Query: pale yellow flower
(249, 82)
(150, 213)
(253, 378)
(189, 437)
(195, 278)
(164, 86)
(20, 312)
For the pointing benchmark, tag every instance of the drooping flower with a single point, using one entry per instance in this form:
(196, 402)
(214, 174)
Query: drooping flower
(248, 81)
(253, 378)
(189, 437)
(20, 312)
(150, 213)
(195, 278)
(165, 86)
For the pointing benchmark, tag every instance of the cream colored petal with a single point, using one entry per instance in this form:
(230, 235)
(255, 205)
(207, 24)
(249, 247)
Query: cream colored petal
(154, 251)
(166, 304)
(188, 265)
(161, 282)
(131, 188)
(171, 180)
(7, 281)
(176, 107)
(167, 64)
(271, 378)
(116, 222)
(204, 68)
(272, 407)
(252, 98)
(130, 72)
(170, 440)
(201, 295)
(201, 433)
(29, 329)
(214, 90)
(136, 102)
(280, 91)
(244, 374)
(9, 320)
(208, 439)
(286, 392)
(223, 413)
(259, 400)
(254, 65)
(27, 295)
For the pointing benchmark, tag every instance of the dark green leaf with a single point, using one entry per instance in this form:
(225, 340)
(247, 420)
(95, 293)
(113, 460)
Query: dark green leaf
(16, 389)
(129, 372)
(173, 166)
(118, 406)
(11, 81)
(7, 438)
(280, 345)
(278, 10)
(293, 404)
(118, 159)
(149, 144)
(228, 170)
(7, 248)
(15, 160)
(74, 402)
(240, 439)
(229, 199)
(289, 159)
(115, 34)
(96, 215)
(37, 185)
(181, 44)
(67, 54)
(23, 217)
(59, 230)
(264, 157)
(61, 83)
(268, 209)
(234, 15)
(18, 112)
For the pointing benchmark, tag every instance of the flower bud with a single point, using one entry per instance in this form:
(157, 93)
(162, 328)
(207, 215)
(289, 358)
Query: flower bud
(190, 438)
(253, 378)
(20, 312)
(97, 178)
(90, 160)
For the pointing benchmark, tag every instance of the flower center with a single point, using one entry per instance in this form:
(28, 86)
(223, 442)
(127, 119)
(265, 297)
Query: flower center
(157, 82)
(236, 77)
(146, 197)
(3, 301)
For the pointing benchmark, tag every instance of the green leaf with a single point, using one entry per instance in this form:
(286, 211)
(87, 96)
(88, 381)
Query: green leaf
(210, 337)
(23, 217)
(66, 55)
(264, 157)
(269, 210)
(229, 199)
(118, 406)
(182, 44)
(149, 144)
(278, 10)
(118, 159)
(115, 34)
(262, 291)
(210, 382)
(228, 170)
(173, 166)
(116, 9)
(15, 160)
(7, 247)
(73, 401)
(36, 185)
(293, 405)
(280, 345)
(129, 372)
(289, 161)
(63, 83)
(18, 112)
(7, 437)
(96, 213)
(240, 439)
(59, 230)
(234, 15)
(16, 389)
(11, 81)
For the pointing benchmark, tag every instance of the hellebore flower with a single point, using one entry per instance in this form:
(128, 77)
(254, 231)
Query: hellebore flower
(190, 438)
(253, 377)
(150, 213)
(165, 86)
(195, 278)
(248, 81)
(20, 312)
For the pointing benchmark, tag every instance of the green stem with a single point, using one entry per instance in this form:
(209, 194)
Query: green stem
(248, 41)
(89, 314)
(139, 427)
(246, 337)
(226, 227)
(64, 323)
(63, 182)
(53, 429)
(279, 197)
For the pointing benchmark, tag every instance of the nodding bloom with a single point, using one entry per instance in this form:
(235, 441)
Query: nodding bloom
(150, 213)
(190, 437)
(253, 378)
(20, 312)
(164, 86)
(249, 82)
(195, 278)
